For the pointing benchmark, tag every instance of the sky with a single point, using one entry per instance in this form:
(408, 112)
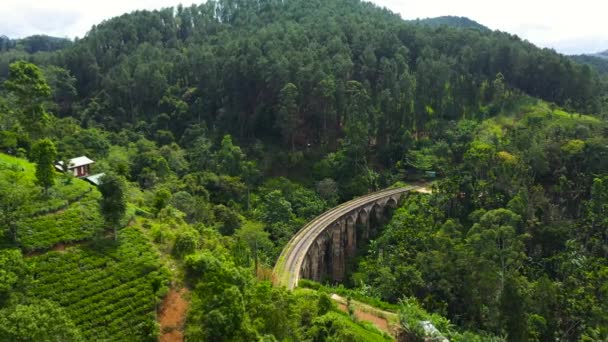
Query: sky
(570, 27)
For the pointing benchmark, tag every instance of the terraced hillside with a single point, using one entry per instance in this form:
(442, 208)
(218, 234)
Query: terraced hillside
(68, 213)
(109, 289)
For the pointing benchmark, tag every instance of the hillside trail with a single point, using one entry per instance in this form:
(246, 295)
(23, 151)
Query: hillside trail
(172, 316)
(424, 190)
(384, 320)
(425, 187)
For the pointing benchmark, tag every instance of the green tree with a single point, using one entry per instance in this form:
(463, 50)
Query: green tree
(288, 113)
(113, 203)
(256, 238)
(186, 242)
(271, 309)
(13, 196)
(27, 83)
(229, 158)
(43, 321)
(44, 155)
(217, 310)
(63, 84)
(596, 228)
(500, 91)
(326, 92)
(359, 126)
(161, 199)
(328, 190)
(13, 273)
(496, 255)
(229, 220)
(276, 208)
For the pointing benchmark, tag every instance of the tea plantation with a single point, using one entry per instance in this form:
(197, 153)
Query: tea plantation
(66, 214)
(109, 289)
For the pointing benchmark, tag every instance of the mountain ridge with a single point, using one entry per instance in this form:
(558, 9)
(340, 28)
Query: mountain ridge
(451, 21)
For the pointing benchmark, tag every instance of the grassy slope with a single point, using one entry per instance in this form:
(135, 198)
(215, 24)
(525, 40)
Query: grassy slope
(341, 324)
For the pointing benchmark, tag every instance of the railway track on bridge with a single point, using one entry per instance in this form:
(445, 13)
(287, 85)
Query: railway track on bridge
(287, 269)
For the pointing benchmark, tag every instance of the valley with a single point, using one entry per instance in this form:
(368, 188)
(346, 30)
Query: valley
(260, 170)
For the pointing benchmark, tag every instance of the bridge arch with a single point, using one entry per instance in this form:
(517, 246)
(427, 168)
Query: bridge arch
(321, 248)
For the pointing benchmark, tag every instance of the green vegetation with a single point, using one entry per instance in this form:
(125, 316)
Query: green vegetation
(43, 321)
(44, 155)
(77, 222)
(452, 21)
(503, 231)
(113, 204)
(66, 213)
(226, 126)
(106, 289)
(599, 62)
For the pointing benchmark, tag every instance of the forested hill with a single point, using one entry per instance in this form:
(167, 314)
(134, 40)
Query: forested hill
(452, 21)
(228, 64)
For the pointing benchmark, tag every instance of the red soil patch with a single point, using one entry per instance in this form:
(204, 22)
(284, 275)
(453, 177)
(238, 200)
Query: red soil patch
(379, 322)
(173, 316)
(59, 247)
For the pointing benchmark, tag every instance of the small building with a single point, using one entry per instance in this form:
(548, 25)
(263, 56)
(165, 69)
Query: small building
(80, 166)
(95, 179)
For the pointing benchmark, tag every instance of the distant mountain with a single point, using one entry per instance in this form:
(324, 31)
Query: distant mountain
(598, 61)
(33, 44)
(603, 54)
(451, 21)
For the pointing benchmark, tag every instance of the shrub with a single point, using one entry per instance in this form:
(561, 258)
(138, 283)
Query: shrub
(186, 242)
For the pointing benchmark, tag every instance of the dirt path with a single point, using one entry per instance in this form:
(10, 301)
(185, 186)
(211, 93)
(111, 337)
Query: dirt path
(424, 190)
(173, 315)
(384, 320)
(379, 322)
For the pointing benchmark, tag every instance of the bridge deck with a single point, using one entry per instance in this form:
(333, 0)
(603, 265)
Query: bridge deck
(287, 269)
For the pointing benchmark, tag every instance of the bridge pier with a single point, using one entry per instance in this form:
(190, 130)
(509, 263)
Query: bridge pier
(338, 261)
(314, 253)
(364, 219)
(351, 236)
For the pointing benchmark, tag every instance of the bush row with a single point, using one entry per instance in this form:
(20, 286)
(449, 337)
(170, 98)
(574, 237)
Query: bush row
(81, 220)
(105, 287)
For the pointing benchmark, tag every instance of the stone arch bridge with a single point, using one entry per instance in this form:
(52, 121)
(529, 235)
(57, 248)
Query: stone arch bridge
(322, 247)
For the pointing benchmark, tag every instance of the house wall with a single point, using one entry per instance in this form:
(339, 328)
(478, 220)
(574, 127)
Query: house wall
(81, 171)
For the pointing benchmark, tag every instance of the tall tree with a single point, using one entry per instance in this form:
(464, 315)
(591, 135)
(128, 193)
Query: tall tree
(256, 238)
(113, 203)
(12, 199)
(44, 154)
(229, 158)
(288, 112)
(359, 123)
(27, 83)
(326, 92)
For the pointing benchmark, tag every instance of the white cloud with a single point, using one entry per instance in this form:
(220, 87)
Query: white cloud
(569, 27)
(66, 18)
